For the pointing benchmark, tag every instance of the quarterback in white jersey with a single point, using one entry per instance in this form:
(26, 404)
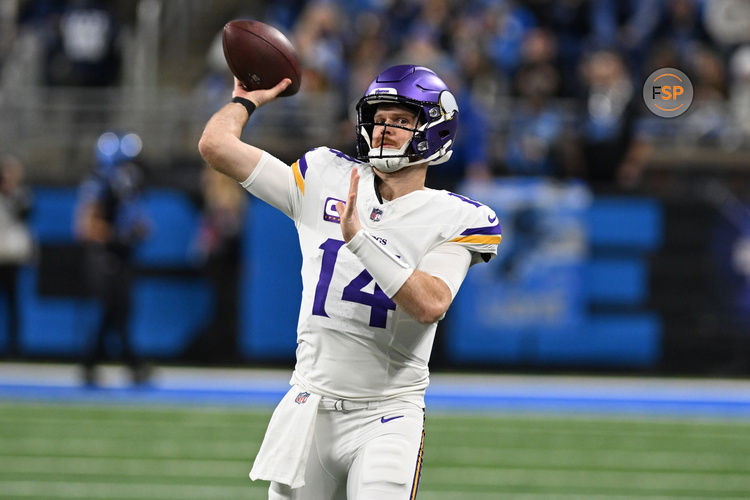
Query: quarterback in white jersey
(382, 258)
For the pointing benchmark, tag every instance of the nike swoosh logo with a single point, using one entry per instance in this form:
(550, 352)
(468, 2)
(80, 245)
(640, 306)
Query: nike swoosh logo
(384, 420)
(491, 219)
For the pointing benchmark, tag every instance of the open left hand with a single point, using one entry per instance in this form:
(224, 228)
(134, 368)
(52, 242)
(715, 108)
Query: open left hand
(350, 224)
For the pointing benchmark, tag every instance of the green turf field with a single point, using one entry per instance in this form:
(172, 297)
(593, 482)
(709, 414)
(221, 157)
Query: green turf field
(52, 451)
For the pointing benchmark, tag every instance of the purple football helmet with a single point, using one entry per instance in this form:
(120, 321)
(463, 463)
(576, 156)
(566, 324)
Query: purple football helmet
(421, 90)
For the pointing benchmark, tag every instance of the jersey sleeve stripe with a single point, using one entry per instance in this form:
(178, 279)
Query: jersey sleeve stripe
(298, 177)
(303, 166)
(487, 230)
(477, 238)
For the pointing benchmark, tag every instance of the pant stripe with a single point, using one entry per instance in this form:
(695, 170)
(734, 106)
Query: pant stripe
(418, 470)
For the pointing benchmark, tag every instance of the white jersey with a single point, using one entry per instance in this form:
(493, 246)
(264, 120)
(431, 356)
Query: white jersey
(353, 342)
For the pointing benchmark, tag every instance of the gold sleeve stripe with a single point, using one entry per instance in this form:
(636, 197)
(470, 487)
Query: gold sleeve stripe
(298, 177)
(478, 238)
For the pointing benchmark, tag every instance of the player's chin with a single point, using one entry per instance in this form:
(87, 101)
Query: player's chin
(387, 150)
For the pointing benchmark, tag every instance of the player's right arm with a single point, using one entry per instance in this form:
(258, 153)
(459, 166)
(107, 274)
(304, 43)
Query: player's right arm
(220, 145)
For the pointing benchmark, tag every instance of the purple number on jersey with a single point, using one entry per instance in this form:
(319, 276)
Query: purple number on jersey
(378, 301)
(330, 249)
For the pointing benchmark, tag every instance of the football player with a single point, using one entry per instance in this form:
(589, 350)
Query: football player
(382, 258)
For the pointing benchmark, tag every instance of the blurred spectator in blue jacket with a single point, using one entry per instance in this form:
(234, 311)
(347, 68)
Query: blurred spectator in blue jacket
(111, 222)
(320, 42)
(509, 23)
(536, 126)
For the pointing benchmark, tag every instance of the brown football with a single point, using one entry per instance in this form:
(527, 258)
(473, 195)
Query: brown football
(260, 56)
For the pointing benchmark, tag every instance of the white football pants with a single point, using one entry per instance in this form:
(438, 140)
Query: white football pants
(362, 454)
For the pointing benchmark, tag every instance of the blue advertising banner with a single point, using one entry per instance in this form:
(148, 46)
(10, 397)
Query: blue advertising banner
(537, 281)
(271, 285)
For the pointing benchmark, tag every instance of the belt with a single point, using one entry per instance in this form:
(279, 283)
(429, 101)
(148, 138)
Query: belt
(345, 405)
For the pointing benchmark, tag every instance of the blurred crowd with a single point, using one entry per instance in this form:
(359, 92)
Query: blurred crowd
(544, 87)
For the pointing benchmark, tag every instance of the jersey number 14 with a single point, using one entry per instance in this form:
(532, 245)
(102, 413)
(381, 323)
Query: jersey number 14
(378, 301)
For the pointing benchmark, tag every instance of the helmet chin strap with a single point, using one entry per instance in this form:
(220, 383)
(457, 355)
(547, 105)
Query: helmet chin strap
(379, 157)
(385, 164)
(388, 165)
(388, 160)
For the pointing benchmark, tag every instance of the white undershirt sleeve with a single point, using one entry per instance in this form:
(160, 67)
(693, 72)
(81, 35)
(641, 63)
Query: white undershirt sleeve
(272, 181)
(389, 271)
(450, 262)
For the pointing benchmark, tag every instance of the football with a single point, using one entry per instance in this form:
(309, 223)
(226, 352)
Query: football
(260, 56)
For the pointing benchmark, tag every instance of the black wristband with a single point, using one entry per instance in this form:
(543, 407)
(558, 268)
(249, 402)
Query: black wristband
(249, 105)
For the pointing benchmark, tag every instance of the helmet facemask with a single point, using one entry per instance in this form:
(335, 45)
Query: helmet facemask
(386, 158)
(420, 90)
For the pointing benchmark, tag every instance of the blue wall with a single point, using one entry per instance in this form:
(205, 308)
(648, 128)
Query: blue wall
(271, 285)
(613, 328)
(605, 321)
(167, 310)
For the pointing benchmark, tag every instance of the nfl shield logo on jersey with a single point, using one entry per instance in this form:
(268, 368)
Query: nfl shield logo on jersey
(302, 398)
(376, 214)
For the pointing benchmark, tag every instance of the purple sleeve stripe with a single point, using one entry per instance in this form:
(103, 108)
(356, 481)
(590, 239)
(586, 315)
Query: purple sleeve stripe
(482, 230)
(303, 166)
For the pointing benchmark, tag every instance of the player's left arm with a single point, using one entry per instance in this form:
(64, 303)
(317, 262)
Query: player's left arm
(429, 290)
(423, 296)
